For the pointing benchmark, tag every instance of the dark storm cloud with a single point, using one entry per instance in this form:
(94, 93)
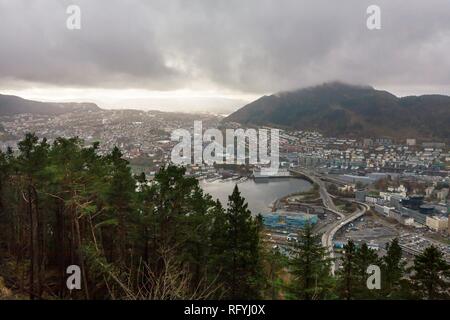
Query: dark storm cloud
(247, 45)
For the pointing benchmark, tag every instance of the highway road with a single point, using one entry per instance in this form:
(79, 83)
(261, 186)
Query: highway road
(327, 237)
(333, 228)
(326, 198)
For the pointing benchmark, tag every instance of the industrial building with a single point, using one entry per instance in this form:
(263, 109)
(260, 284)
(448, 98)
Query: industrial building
(413, 202)
(401, 217)
(437, 223)
(288, 220)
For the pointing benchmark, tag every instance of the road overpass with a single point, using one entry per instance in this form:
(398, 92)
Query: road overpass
(328, 235)
(324, 195)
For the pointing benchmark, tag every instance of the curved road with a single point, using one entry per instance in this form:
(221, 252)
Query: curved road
(327, 237)
(326, 198)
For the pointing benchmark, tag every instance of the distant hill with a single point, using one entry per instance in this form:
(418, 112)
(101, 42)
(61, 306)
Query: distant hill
(10, 105)
(338, 109)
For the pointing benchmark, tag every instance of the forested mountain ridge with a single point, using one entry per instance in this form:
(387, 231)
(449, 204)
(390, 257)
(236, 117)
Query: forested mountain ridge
(343, 110)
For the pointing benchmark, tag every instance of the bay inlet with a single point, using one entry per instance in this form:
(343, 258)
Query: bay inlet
(259, 195)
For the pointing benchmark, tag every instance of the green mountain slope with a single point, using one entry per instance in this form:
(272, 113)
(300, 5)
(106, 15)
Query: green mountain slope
(339, 109)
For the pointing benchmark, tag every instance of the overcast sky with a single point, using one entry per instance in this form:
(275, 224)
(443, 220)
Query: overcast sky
(215, 53)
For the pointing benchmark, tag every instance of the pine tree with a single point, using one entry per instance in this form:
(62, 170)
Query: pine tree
(5, 219)
(310, 267)
(431, 274)
(393, 269)
(120, 199)
(237, 249)
(364, 258)
(175, 213)
(347, 276)
(275, 264)
(32, 158)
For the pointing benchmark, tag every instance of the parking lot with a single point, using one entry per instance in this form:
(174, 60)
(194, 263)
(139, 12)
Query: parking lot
(367, 230)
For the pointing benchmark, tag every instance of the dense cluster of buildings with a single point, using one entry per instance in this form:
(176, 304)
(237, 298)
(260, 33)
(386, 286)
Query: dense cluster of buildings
(142, 136)
(409, 210)
(366, 155)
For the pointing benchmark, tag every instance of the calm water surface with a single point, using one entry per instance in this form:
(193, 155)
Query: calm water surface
(259, 195)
